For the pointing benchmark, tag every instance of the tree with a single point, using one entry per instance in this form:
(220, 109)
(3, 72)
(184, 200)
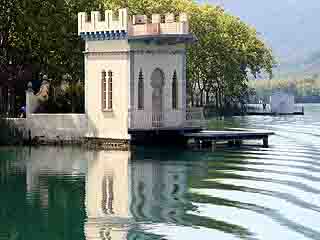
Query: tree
(227, 52)
(40, 36)
(43, 34)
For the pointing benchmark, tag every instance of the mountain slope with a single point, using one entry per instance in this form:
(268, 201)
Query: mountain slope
(290, 28)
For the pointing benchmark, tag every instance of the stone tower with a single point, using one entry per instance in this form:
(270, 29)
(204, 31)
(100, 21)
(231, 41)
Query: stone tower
(135, 72)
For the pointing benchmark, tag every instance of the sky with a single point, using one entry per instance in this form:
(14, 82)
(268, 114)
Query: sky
(290, 27)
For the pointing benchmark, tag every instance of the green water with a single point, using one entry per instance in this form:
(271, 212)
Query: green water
(240, 193)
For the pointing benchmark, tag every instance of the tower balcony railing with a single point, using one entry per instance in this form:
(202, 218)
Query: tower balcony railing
(144, 29)
(146, 120)
(158, 28)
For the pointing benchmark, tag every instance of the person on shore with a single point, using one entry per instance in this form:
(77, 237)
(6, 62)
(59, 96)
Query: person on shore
(22, 112)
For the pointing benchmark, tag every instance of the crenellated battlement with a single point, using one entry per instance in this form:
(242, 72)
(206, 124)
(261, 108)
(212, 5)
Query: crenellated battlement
(93, 22)
(112, 27)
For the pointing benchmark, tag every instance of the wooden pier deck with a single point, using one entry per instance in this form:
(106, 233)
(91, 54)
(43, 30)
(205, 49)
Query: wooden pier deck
(273, 113)
(232, 136)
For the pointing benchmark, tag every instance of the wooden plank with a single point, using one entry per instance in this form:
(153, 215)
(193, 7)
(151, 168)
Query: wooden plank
(227, 134)
(232, 135)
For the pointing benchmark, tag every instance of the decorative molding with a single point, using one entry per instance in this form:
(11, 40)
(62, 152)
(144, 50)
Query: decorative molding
(104, 35)
(94, 54)
(158, 51)
(137, 52)
(107, 110)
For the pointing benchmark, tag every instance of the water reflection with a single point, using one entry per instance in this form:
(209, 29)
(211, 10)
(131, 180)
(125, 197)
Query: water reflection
(107, 196)
(244, 193)
(122, 193)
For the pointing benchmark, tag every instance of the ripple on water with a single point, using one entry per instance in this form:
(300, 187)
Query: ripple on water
(245, 193)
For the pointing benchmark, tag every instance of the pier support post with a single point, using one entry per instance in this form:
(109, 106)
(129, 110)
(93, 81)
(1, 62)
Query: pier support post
(197, 142)
(238, 143)
(213, 146)
(265, 142)
(207, 143)
(230, 143)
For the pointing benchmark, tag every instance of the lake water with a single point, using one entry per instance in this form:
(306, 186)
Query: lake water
(241, 193)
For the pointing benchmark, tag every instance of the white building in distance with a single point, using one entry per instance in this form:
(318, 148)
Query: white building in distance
(282, 102)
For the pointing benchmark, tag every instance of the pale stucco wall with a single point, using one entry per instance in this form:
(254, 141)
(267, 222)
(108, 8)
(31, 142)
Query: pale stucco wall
(114, 56)
(168, 59)
(53, 126)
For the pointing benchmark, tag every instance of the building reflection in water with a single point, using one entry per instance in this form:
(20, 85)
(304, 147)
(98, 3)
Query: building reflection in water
(158, 190)
(122, 191)
(107, 196)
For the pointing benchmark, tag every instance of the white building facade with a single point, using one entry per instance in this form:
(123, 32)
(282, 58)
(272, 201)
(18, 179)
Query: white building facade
(135, 72)
(282, 103)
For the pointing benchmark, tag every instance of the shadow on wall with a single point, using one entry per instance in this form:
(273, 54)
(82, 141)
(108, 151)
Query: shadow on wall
(13, 131)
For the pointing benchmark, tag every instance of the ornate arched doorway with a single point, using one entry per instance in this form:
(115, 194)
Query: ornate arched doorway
(157, 82)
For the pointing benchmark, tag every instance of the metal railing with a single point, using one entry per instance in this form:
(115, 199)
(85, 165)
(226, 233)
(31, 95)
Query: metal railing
(195, 117)
(258, 108)
(141, 119)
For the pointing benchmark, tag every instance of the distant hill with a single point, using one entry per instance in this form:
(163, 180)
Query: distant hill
(290, 28)
(306, 66)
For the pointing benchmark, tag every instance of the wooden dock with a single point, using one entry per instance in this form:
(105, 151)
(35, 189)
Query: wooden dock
(232, 136)
(273, 113)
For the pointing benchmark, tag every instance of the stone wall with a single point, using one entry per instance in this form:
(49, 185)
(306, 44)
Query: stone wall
(63, 129)
(53, 127)
(58, 126)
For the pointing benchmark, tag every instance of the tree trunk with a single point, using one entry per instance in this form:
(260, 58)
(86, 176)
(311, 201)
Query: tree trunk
(217, 100)
(207, 97)
(73, 107)
(201, 98)
(192, 99)
(220, 101)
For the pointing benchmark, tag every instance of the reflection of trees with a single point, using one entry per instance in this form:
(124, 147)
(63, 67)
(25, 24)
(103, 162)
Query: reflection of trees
(114, 196)
(25, 218)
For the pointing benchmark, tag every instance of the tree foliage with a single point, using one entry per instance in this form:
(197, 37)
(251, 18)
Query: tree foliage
(43, 34)
(303, 86)
(227, 53)
(40, 36)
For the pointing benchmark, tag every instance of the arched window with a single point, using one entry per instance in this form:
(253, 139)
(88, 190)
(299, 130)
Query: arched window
(109, 90)
(103, 90)
(140, 91)
(174, 91)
